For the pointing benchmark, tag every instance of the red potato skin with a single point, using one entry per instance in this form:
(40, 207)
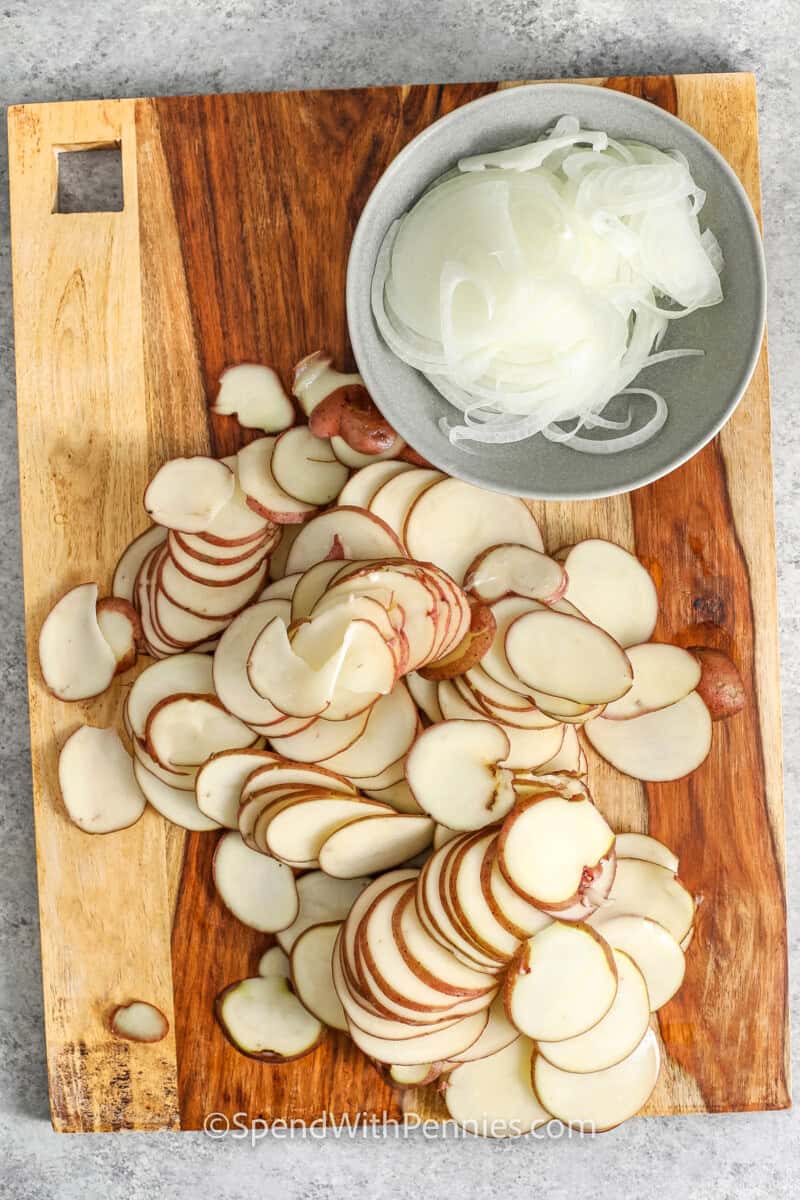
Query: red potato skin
(455, 993)
(264, 1056)
(265, 542)
(118, 1033)
(363, 951)
(203, 616)
(486, 875)
(205, 582)
(116, 604)
(721, 686)
(361, 424)
(410, 455)
(469, 578)
(590, 873)
(148, 742)
(450, 899)
(213, 540)
(520, 964)
(279, 518)
(470, 649)
(326, 419)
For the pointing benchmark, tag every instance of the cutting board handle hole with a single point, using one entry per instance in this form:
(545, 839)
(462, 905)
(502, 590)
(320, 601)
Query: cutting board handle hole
(89, 178)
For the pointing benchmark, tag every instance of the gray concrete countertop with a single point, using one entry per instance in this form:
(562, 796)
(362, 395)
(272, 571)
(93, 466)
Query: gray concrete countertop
(61, 50)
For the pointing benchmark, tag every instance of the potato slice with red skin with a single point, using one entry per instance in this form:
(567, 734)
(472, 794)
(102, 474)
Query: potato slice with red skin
(231, 680)
(120, 626)
(342, 532)
(721, 686)
(361, 1014)
(394, 500)
(374, 843)
(322, 899)
(130, 561)
(429, 960)
(521, 918)
(390, 732)
(436, 919)
(658, 746)
(455, 775)
(254, 394)
(365, 482)
(305, 467)
(75, 658)
(641, 845)
(408, 598)
(470, 650)
(218, 552)
(550, 849)
(493, 1096)
(453, 521)
(321, 740)
(461, 890)
(264, 1019)
(298, 832)
(212, 601)
(260, 892)
(219, 572)
(139, 1021)
(662, 675)
(550, 650)
(561, 983)
(440, 1044)
(264, 495)
(312, 974)
(185, 729)
(599, 1100)
(511, 570)
(612, 589)
(614, 1036)
(527, 747)
(219, 782)
(645, 889)
(187, 493)
(654, 950)
(97, 783)
(411, 1077)
(285, 679)
(376, 943)
(312, 586)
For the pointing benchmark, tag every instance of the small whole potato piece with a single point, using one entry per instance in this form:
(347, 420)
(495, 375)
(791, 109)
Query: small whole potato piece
(361, 424)
(326, 418)
(721, 686)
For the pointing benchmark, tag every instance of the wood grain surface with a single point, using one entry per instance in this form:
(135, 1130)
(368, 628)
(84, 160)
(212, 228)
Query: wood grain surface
(232, 245)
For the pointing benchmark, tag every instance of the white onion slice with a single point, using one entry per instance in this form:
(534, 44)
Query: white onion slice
(533, 285)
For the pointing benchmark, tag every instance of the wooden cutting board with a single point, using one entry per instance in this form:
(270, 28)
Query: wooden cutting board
(231, 245)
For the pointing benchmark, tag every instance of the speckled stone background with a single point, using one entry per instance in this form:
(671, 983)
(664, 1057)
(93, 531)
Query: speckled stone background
(71, 49)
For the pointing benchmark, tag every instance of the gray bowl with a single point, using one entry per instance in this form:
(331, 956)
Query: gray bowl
(701, 392)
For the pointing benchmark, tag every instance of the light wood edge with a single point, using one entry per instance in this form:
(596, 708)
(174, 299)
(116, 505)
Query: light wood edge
(105, 929)
(174, 395)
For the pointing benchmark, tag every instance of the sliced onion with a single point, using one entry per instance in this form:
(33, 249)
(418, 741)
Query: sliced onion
(628, 441)
(534, 284)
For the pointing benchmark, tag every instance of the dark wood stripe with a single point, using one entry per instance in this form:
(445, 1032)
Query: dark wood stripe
(735, 994)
